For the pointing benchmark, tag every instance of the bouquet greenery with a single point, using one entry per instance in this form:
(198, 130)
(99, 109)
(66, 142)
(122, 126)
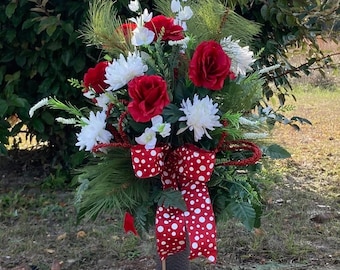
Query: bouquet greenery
(175, 108)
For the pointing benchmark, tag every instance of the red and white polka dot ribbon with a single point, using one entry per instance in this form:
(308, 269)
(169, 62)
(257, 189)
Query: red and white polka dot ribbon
(187, 168)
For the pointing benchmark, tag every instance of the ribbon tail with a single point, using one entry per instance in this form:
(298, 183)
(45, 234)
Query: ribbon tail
(170, 224)
(200, 221)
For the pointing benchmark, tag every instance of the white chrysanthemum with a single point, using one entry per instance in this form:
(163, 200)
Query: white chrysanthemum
(200, 116)
(241, 57)
(37, 106)
(121, 71)
(148, 138)
(158, 126)
(93, 132)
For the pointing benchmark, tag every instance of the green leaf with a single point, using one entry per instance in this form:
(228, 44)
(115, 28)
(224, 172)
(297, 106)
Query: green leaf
(3, 107)
(10, 9)
(51, 29)
(170, 197)
(301, 120)
(172, 113)
(47, 117)
(244, 212)
(3, 149)
(275, 151)
(38, 125)
(17, 101)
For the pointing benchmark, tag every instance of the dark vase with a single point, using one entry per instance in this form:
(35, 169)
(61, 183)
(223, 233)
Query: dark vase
(178, 261)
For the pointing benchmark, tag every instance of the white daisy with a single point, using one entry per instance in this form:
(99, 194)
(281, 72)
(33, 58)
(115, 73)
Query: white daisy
(93, 131)
(148, 138)
(121, 71)
(241, 57)
(200, 116)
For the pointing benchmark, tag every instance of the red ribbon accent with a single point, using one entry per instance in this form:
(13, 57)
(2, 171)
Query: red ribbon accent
(240, 145)
(186, 168)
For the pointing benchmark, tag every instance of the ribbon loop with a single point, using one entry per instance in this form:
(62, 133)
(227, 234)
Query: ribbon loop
(148, 162)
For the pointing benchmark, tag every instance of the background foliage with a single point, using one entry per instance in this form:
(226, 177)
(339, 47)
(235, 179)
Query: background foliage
(41, 49)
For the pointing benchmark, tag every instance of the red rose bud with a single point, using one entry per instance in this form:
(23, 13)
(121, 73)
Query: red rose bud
(210, 66)
(95, 77)
(129, 224)
(149, 97)
(160, 23)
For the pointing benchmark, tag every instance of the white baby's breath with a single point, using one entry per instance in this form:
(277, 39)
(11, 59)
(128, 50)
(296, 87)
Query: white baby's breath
(66, 121)
(241, 57)
(37, 106)
(255, 136)
(200, 116)
(121, 70)
(93, 131)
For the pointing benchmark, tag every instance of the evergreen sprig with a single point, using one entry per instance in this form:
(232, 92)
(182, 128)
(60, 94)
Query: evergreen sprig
(111, 185)
(102, 29)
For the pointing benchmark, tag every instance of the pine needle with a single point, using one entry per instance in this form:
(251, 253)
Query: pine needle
(111, 184)
(102, 29)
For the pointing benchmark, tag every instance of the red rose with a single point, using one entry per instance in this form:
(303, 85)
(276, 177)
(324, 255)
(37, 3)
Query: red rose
(149, 96)
(95, 77)
(171, 30)
(127, 29)
(209, 66)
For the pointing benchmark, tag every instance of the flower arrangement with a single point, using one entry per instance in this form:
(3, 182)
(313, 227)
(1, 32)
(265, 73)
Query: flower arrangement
(171, 121)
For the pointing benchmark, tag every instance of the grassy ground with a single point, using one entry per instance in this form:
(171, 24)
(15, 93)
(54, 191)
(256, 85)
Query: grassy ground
(300, 227)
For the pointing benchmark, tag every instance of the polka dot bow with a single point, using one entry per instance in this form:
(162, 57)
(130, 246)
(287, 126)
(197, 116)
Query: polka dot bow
(186, 168)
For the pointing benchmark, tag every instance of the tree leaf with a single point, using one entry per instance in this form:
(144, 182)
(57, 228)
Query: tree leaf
(10, 9)
(276, 151)
(244, 212)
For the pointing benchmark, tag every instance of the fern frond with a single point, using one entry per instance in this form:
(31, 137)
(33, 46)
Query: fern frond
(75, 83)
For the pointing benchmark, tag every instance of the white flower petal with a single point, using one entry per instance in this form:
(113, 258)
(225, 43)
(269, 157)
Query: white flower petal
(134, 5)
(148, 138)
(142, 36)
